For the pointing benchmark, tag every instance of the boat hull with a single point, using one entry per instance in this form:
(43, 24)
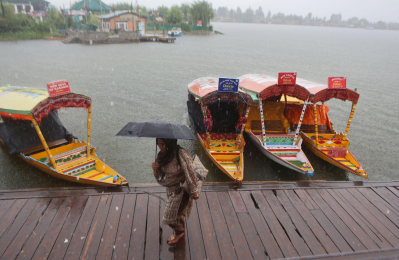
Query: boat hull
(79, 169)
(348, 163)
(175, 35)
(281, 161)
(222, 158)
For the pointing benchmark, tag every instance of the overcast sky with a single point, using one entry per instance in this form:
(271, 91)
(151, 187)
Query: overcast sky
(372, 10)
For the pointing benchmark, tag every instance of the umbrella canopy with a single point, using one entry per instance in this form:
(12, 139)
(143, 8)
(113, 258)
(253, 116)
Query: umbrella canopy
(156, 129)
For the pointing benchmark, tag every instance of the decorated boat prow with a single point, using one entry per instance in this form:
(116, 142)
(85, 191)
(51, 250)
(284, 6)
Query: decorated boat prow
(32, 130)
(218, 119)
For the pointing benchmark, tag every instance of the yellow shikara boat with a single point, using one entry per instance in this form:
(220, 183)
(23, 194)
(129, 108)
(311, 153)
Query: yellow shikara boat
(218, 119)
(31, 129)
(317, 131)
(267, 125)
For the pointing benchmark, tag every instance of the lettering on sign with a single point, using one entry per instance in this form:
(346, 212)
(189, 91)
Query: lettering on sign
(58, 88)
(286, 78)
(228, 85)
(336, 82)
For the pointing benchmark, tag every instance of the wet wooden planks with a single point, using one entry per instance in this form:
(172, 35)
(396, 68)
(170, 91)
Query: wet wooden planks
(226, 223)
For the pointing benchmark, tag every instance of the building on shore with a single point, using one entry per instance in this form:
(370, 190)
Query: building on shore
(96, 7)
(29, 6)
(123, 20)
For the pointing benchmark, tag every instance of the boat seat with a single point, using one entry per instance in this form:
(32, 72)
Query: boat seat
(68, 157)
(271, 126)
(40, 147)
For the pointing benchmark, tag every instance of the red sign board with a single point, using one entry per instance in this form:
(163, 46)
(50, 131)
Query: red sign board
(286, 78)
(58, 88)
(199, 23)
(336, 82)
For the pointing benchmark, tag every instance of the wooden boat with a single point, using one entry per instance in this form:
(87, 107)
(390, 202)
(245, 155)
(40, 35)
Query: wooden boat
(267, 126)
(222, 142)
(32, 130)
(317, 130)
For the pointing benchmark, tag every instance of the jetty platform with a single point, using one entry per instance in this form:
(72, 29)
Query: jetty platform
(157, 38)
(259, 220)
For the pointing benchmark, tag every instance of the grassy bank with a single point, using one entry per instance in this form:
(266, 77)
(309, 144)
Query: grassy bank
(17, 36)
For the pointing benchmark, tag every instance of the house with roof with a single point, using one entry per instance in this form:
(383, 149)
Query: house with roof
(29, 6)
(123, 20)
(97, 7)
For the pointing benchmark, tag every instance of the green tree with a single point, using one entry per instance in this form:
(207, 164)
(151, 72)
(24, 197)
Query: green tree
(55, 17)
(94, 21)
(259, 14)
(162, 11)
(249, 15)
(122, 6)
(201, 11)
(6, 8)
(269, 15)
(185, 8)
(238, 15)
(174, 15)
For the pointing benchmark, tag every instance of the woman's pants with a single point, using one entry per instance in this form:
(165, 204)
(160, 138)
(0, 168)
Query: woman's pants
(179, 227)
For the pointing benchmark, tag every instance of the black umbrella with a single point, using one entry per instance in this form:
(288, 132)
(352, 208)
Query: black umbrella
(156, 129)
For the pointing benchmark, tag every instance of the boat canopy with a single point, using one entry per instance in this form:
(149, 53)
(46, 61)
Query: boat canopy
(19, 102)
(321, 93)
(267, 87)
(206, 89)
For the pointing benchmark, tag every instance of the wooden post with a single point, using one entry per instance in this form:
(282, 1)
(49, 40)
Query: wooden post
(242, 129)
(350, 120)
(39, 132)
(88, 130)
(300, 122)
(315, 124)
(208, 138)
(262, 121)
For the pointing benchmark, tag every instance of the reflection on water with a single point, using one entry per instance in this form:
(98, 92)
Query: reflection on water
(147, 81)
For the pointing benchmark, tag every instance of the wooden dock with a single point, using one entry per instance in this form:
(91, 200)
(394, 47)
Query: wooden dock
(266, 220)
(157, 38)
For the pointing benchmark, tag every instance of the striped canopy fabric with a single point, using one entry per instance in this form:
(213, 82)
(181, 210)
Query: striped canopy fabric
(19, 103)
(267, 87)
(321, 93)
(206, 89)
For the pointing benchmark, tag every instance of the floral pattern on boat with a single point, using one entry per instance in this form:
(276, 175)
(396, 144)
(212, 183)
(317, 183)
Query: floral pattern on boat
(44, 108)
(219, 136)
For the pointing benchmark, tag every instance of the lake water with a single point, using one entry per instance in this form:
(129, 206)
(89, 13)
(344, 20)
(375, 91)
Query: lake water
(147, 81)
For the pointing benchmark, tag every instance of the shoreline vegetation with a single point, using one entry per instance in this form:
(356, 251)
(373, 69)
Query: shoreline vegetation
(27, 26)
(223, 14)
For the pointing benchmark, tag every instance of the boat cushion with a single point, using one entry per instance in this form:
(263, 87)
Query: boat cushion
(273, 114)
(293, 114)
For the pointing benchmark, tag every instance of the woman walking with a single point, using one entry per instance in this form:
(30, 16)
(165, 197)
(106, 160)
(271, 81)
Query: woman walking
(172, 167)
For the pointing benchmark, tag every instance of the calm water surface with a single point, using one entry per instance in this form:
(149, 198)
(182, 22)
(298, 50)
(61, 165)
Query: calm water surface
(146, 81)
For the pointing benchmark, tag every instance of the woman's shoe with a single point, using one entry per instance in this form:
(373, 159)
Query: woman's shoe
(175, 239)
(171, 237)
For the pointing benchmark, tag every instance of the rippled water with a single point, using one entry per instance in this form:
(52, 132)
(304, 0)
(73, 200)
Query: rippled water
(146, 81)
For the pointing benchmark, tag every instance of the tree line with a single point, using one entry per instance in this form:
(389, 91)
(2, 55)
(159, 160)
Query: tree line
(185, 15)
(258, 16)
